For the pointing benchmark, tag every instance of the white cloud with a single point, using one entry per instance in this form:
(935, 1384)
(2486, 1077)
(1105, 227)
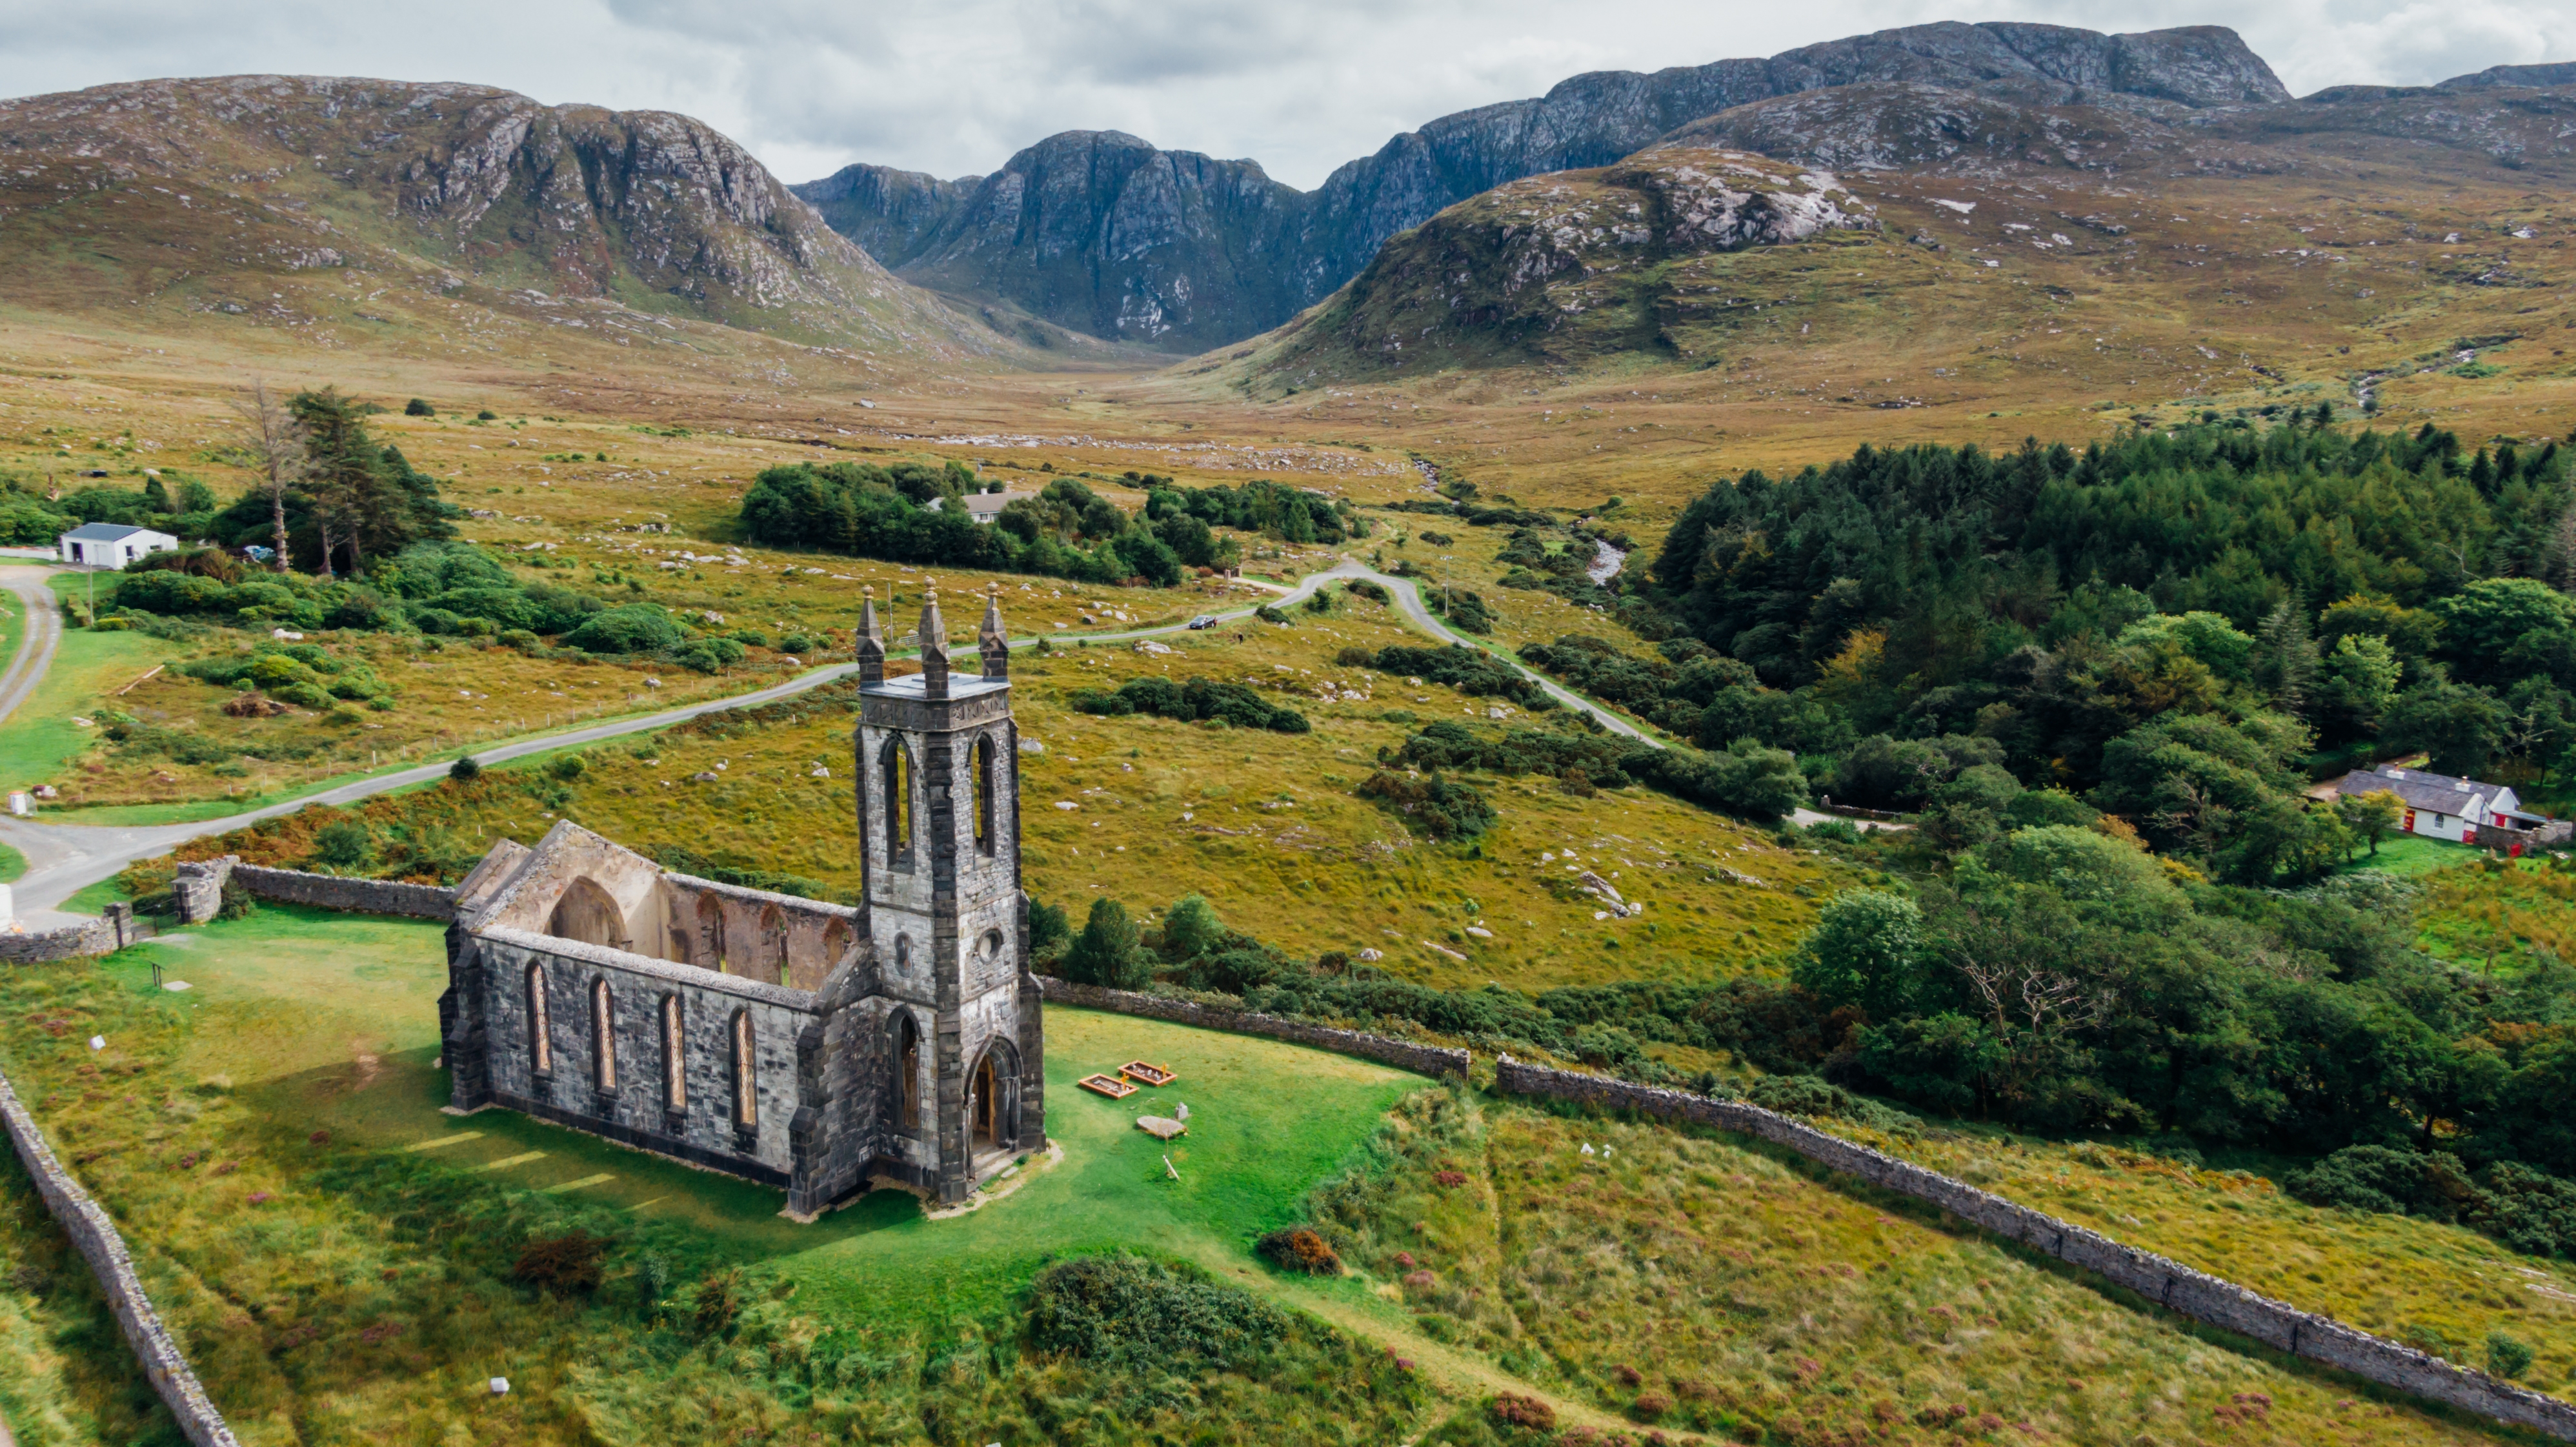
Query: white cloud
(810, 85)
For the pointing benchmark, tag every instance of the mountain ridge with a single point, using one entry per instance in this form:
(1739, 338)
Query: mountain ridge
(1155, 263)
(225, 194)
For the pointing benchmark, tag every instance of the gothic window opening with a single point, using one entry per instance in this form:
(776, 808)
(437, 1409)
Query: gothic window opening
(587, 913)
(836, 942)
(710, 953)
(897, 769)
(746, 1096)
(983, 1114)
(675, 1076)
(907, 1073)
(541, 1045)
(984, 795)
(773, 941)
(603, 1038)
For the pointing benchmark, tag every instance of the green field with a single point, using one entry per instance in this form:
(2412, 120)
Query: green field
(40, 739)
(333, 1249)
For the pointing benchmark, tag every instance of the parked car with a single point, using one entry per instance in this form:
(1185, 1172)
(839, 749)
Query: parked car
(1204, 620)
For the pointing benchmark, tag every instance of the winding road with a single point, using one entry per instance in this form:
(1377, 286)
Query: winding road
(64, 859)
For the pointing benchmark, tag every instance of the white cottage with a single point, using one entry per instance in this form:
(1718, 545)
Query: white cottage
(2442, 807)
(111, 545)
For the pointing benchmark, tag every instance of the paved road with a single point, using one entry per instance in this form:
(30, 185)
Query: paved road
(65, 859)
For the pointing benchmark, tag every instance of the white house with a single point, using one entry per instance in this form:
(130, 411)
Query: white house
(2442, 807)
(111, 545)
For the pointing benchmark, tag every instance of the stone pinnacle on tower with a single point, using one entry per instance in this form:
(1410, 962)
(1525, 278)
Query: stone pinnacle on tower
(995, 641)
(871, 645)
(934, 648)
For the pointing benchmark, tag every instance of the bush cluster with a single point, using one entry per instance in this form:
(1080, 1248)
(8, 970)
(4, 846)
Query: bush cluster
(1198, 700)
(1123, 1309)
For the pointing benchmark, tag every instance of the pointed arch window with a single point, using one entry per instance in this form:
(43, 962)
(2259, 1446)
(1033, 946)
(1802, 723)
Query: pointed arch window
(984, 752)
(895, 765)
(541, 1045)
(603, 1038)
(907, 1073)
(746, 1086)
(675, 1075)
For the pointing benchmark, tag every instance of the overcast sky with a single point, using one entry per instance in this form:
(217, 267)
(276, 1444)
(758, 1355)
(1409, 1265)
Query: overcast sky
(956, 87)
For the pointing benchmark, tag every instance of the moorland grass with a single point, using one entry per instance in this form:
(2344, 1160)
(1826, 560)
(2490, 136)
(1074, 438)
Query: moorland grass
(2492, 915)
(2441, 1288)
(337, 1253)
(1693, 1281)
(1266, 826)
(67, 1377)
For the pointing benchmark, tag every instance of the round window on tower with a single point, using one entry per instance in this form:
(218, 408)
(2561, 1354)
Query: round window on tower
(992, 942)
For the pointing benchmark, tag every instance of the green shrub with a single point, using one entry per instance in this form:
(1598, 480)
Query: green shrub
(1197, 700)
(1299, 1249)
(2507, 1356)
(708, 655)
(1123, 1309)
(562, 1265)
(416, 407)
(344, 844)
(1048, 929)
(1444, 809)
(465, 770)
(1107, 951)
(631, 628)
(1191, 929)
(565, 767)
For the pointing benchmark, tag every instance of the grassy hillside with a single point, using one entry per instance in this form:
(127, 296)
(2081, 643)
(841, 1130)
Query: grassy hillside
(1266, 825)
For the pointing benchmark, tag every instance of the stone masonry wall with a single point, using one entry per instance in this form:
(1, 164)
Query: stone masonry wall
(114, 929)
(1429, 1060)
(95, 1234)
(330, 891)
(2168, 1283)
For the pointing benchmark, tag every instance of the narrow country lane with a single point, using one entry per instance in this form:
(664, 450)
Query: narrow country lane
(64, 859)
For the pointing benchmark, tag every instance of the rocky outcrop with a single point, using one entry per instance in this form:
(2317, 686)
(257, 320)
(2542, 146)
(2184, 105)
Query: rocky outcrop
(891, 214)
(2539, 77)
(1103, 233)
(468, 185)
(1569, 265)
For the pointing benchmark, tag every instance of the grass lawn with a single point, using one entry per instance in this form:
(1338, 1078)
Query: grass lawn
(40, 740)
(2412, 854)
(270, 1136)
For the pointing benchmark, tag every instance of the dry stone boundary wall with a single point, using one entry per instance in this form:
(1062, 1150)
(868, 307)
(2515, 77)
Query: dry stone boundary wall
(95, 1234)
(1428, 1060)
(2168, 1283)
(112, 931)
(363, 896)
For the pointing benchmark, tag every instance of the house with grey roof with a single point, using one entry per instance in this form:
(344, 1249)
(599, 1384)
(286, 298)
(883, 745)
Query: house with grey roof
(111, 545)
(2440, 806)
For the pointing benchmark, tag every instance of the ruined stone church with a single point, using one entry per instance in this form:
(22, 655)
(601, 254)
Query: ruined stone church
(789, 1041)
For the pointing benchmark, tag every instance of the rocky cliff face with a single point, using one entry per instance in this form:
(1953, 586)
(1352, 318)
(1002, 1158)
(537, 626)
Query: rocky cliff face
(1105, 234)
(226, 179)
(1569, 265)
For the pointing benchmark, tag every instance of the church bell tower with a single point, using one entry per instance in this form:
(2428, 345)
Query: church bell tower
(937, 763)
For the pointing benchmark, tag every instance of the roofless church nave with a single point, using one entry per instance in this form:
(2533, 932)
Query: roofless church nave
(790, 1041)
